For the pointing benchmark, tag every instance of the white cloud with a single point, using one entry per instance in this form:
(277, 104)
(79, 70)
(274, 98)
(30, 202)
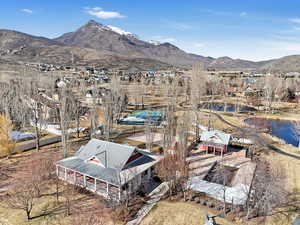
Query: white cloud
(243, 14)
(28, 11)
(100, 13)
(295, 20)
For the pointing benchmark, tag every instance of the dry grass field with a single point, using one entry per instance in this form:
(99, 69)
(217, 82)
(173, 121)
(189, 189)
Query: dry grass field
(179, 213)
(182, 213)
(46, 209)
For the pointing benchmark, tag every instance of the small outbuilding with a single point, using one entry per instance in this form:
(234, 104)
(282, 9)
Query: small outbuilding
(216, 141)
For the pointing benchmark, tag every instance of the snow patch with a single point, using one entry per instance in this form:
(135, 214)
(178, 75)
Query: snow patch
(122, 32)
(237, 194)
(100, 27)
(154, 42)
(119, 30)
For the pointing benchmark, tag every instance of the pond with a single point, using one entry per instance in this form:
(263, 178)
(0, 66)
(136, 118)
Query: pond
(229, 107)
(283, 129)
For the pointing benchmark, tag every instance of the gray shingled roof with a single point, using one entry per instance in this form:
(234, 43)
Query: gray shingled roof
(106, 174)
(111, 154)
(116, 156)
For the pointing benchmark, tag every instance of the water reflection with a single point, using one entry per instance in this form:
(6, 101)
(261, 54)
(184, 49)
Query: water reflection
(283, 129)
(229, 107)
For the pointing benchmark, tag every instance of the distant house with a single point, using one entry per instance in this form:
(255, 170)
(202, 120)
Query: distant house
(215, 141)
(249, 92)
(109, 169)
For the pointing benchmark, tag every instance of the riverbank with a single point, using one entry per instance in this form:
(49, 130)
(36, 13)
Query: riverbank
(279, 116)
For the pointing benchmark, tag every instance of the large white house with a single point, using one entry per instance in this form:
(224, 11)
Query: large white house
(109, 169)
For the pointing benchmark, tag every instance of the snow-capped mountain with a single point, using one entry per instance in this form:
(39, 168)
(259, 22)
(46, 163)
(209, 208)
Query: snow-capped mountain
(97, 36)
(106, 45)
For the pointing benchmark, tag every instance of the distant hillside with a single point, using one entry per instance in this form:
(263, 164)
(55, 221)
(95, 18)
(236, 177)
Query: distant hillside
(225, 63)
(108, 46)
(285, 64)
(10, 39)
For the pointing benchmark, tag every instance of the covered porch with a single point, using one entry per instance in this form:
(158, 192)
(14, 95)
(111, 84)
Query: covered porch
(206, 146)
(100, 187)
(108, 190)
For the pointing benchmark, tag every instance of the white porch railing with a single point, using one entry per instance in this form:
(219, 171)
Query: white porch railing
(97, 188)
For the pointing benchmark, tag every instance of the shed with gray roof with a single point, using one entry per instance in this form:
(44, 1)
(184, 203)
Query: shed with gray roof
(214, 140)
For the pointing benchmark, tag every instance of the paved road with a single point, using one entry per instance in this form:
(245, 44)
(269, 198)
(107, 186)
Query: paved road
(256, 137)
(43, 142)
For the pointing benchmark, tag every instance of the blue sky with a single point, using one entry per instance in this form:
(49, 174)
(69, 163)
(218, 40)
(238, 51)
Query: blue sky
(247, 29)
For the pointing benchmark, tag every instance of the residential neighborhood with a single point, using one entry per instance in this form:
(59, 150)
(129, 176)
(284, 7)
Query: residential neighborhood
(192, 119)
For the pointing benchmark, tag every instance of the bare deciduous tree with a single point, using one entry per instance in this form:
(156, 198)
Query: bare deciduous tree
(36, 107)
(149, 134)
(197, 91)
(296, 131)
(267, 191)
(174, 168)
(69, 194)
(22, 197)
(169, 131)
(114, 103)
(63, 124)
(39, 171)
(271, 85)
(66, 115)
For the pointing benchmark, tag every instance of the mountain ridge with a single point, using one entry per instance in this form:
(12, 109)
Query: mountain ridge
(94, 42)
